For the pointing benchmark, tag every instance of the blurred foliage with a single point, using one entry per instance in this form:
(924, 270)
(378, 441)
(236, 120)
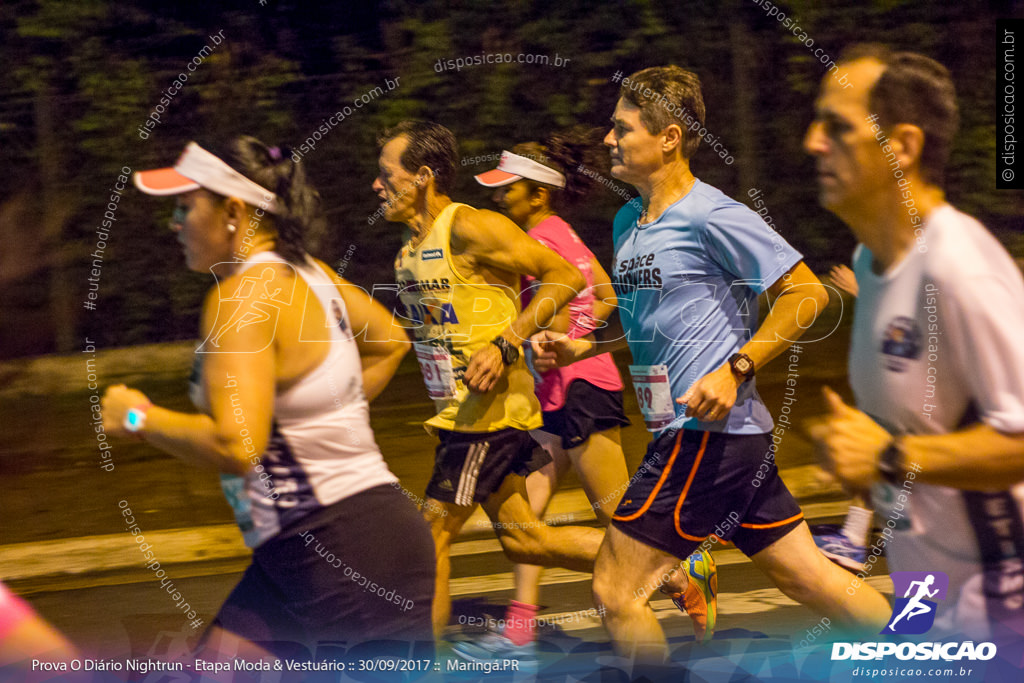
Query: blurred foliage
(82, 77)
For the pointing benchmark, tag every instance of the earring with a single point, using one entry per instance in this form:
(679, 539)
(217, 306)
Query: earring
(231, 228)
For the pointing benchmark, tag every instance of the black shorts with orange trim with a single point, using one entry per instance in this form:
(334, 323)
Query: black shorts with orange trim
(470, 466)
(695, 484)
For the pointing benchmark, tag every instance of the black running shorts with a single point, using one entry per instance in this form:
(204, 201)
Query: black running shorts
(470, 466)
(358, 571)
(694, 484)
(587, 410)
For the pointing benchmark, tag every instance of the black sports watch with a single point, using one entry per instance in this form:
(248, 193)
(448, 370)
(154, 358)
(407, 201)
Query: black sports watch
(509, 353)
(892, 463)
(741, 365)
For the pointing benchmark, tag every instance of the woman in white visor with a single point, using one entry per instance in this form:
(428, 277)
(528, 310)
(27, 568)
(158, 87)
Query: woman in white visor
(290, 356)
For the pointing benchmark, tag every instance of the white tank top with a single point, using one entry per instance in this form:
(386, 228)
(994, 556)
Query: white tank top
(321, 447)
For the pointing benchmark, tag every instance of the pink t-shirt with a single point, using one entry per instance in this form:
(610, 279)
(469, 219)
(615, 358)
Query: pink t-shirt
(600, 371)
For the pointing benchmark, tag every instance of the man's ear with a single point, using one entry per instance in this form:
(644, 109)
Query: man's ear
(907, 141)
(423, 174)
(673, 137)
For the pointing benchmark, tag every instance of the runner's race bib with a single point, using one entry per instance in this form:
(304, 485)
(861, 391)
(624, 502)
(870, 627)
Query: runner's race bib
(653, 395)
(436, 366)
(238, 498)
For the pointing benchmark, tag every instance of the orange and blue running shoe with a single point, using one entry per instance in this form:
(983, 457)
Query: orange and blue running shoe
(700, 597)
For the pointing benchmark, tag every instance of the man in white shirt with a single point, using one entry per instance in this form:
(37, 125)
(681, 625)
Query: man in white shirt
(935, 359)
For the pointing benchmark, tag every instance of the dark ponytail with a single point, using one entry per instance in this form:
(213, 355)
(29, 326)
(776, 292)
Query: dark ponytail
(299, 212)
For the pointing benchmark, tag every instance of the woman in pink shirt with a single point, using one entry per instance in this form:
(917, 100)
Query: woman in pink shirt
(582, 403)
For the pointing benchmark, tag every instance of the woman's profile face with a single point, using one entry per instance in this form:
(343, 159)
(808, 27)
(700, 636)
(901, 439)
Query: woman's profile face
(514, 201)
(202, 228)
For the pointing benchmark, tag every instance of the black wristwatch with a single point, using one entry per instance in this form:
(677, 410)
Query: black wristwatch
(892, 463)
(509, 353)
(741, 365)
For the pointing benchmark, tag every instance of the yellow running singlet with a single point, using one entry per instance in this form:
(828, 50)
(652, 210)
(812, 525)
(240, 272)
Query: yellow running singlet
(452, 317)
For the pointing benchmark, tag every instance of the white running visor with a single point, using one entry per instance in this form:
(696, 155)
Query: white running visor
(513, 167)
(197, 168)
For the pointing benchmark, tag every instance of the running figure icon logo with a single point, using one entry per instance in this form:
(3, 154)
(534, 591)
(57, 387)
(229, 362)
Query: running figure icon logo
(256, 299)
(914, 613)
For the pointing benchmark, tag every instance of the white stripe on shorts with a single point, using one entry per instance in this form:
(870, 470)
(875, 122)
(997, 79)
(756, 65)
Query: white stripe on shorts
(470, 473)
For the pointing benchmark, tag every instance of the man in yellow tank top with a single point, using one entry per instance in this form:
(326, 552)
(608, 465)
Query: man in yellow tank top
(458, 274)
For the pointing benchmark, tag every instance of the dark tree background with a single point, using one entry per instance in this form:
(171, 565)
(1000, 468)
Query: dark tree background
(80, 78)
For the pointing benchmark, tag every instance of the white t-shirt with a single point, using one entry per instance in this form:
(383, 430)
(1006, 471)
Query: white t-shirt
(936, 346)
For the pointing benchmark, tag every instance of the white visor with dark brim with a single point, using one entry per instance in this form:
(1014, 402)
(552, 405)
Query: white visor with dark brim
(513, 167)
(198, 168)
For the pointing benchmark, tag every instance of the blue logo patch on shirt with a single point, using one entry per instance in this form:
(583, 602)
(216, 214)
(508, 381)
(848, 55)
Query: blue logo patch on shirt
(432, 254)
(901, 342)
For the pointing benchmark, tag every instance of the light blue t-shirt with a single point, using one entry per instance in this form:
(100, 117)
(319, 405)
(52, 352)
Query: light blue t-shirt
(688, 285)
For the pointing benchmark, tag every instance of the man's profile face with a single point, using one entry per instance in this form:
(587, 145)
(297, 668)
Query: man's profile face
(395, 186)
(635, 153)
(851, 165)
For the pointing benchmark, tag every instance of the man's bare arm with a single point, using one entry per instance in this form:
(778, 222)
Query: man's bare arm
(492, 240)
(712, 396)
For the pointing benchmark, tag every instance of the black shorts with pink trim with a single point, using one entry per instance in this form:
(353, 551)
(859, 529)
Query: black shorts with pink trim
(694, 484)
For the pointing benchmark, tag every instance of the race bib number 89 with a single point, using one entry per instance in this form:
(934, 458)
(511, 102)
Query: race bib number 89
(653, 395)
